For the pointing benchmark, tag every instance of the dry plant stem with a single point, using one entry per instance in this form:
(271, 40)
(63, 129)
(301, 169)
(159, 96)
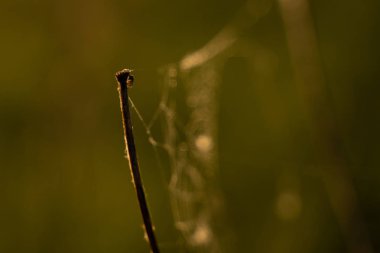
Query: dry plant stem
(124, 78)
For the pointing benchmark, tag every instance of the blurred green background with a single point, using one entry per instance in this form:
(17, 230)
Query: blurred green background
(290, 181)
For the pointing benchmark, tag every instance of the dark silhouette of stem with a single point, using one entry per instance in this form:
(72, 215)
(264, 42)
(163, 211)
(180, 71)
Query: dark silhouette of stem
(125, 79)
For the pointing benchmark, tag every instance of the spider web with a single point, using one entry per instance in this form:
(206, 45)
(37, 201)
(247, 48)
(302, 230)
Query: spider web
(189, 139)
(189, 128)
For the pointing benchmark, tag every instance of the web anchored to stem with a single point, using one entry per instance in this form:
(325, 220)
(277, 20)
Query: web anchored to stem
(188, 139)
(188, 112)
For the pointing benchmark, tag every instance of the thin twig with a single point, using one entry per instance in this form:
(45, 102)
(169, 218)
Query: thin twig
(125, 80)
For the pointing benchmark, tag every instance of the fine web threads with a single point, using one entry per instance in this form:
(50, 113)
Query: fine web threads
(191, 150)
(191, 186)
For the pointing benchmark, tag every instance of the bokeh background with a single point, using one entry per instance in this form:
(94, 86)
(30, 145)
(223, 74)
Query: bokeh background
(298, 137)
